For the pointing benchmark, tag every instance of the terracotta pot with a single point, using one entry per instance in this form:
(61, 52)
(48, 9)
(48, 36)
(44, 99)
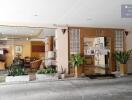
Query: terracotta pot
(123, 69)
(78, 71)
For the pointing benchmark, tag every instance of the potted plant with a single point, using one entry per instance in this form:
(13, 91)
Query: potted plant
(46, 73)
(62, 73)
(16, 74)
(76, 60)
(122, 57)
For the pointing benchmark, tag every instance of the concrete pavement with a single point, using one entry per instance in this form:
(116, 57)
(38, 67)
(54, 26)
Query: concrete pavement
(82, 89)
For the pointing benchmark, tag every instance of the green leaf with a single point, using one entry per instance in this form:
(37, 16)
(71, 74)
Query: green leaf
(122, 56)
(76, 60)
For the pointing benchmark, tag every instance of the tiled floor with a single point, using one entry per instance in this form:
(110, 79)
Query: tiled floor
(81, 89)
(2, 79)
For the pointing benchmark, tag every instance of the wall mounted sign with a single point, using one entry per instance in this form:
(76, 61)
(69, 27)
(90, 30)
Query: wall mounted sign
(126, 11)
(18, 49)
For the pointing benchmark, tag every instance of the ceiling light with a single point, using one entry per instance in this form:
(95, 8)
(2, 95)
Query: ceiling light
(2, 33)
(88, 19)
(35, 14)
(4, 38)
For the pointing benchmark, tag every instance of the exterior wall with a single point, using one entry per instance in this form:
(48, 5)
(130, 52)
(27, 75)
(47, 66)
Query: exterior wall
(62, 49)
(129, 46)
(95, 32)
(109, 33)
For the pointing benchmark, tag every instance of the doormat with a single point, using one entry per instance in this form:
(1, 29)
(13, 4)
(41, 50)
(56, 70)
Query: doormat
(109, 76)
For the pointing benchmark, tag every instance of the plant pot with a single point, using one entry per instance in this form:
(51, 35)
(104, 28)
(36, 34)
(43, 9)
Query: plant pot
(123, 69)
(116, 73)
(62, 76)
(46, 77)
(23, 78)
(78, 71)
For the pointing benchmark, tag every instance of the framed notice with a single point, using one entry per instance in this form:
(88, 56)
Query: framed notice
(18, 49)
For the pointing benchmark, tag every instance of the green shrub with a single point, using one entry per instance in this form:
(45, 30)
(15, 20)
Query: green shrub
(16, 70)
(46, 71)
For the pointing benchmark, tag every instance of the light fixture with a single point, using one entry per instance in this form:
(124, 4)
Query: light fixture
(27, 39)
(35, 15)
(63, 31)
(89, 19)
(126, 32)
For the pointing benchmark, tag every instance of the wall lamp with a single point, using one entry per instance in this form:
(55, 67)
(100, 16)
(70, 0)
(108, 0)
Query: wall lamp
(126, 33)
(63, 31)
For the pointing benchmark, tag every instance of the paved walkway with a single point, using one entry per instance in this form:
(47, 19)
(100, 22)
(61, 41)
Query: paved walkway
(84, 89)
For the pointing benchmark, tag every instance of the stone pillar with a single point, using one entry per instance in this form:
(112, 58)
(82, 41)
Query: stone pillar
(62, 49)
(128, 47)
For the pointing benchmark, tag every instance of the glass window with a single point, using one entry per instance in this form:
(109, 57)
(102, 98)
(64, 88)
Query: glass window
(118, 40)
(74, 41)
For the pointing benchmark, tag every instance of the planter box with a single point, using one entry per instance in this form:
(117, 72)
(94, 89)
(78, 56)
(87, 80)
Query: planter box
(78, 71)
(62, 76)
(117, 74)
(46, 77)
(23, 78)
(123, 69)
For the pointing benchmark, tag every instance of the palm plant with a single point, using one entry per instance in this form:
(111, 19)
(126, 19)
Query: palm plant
(122, 56)
(76, 60)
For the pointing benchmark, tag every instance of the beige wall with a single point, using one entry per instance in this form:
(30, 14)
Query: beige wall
(26, 48)
(9, 56)
(129, 46)
(62, 49)
(11, 51)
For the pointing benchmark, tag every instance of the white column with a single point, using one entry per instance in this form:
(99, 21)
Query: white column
(128, 47)
(62, 49)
